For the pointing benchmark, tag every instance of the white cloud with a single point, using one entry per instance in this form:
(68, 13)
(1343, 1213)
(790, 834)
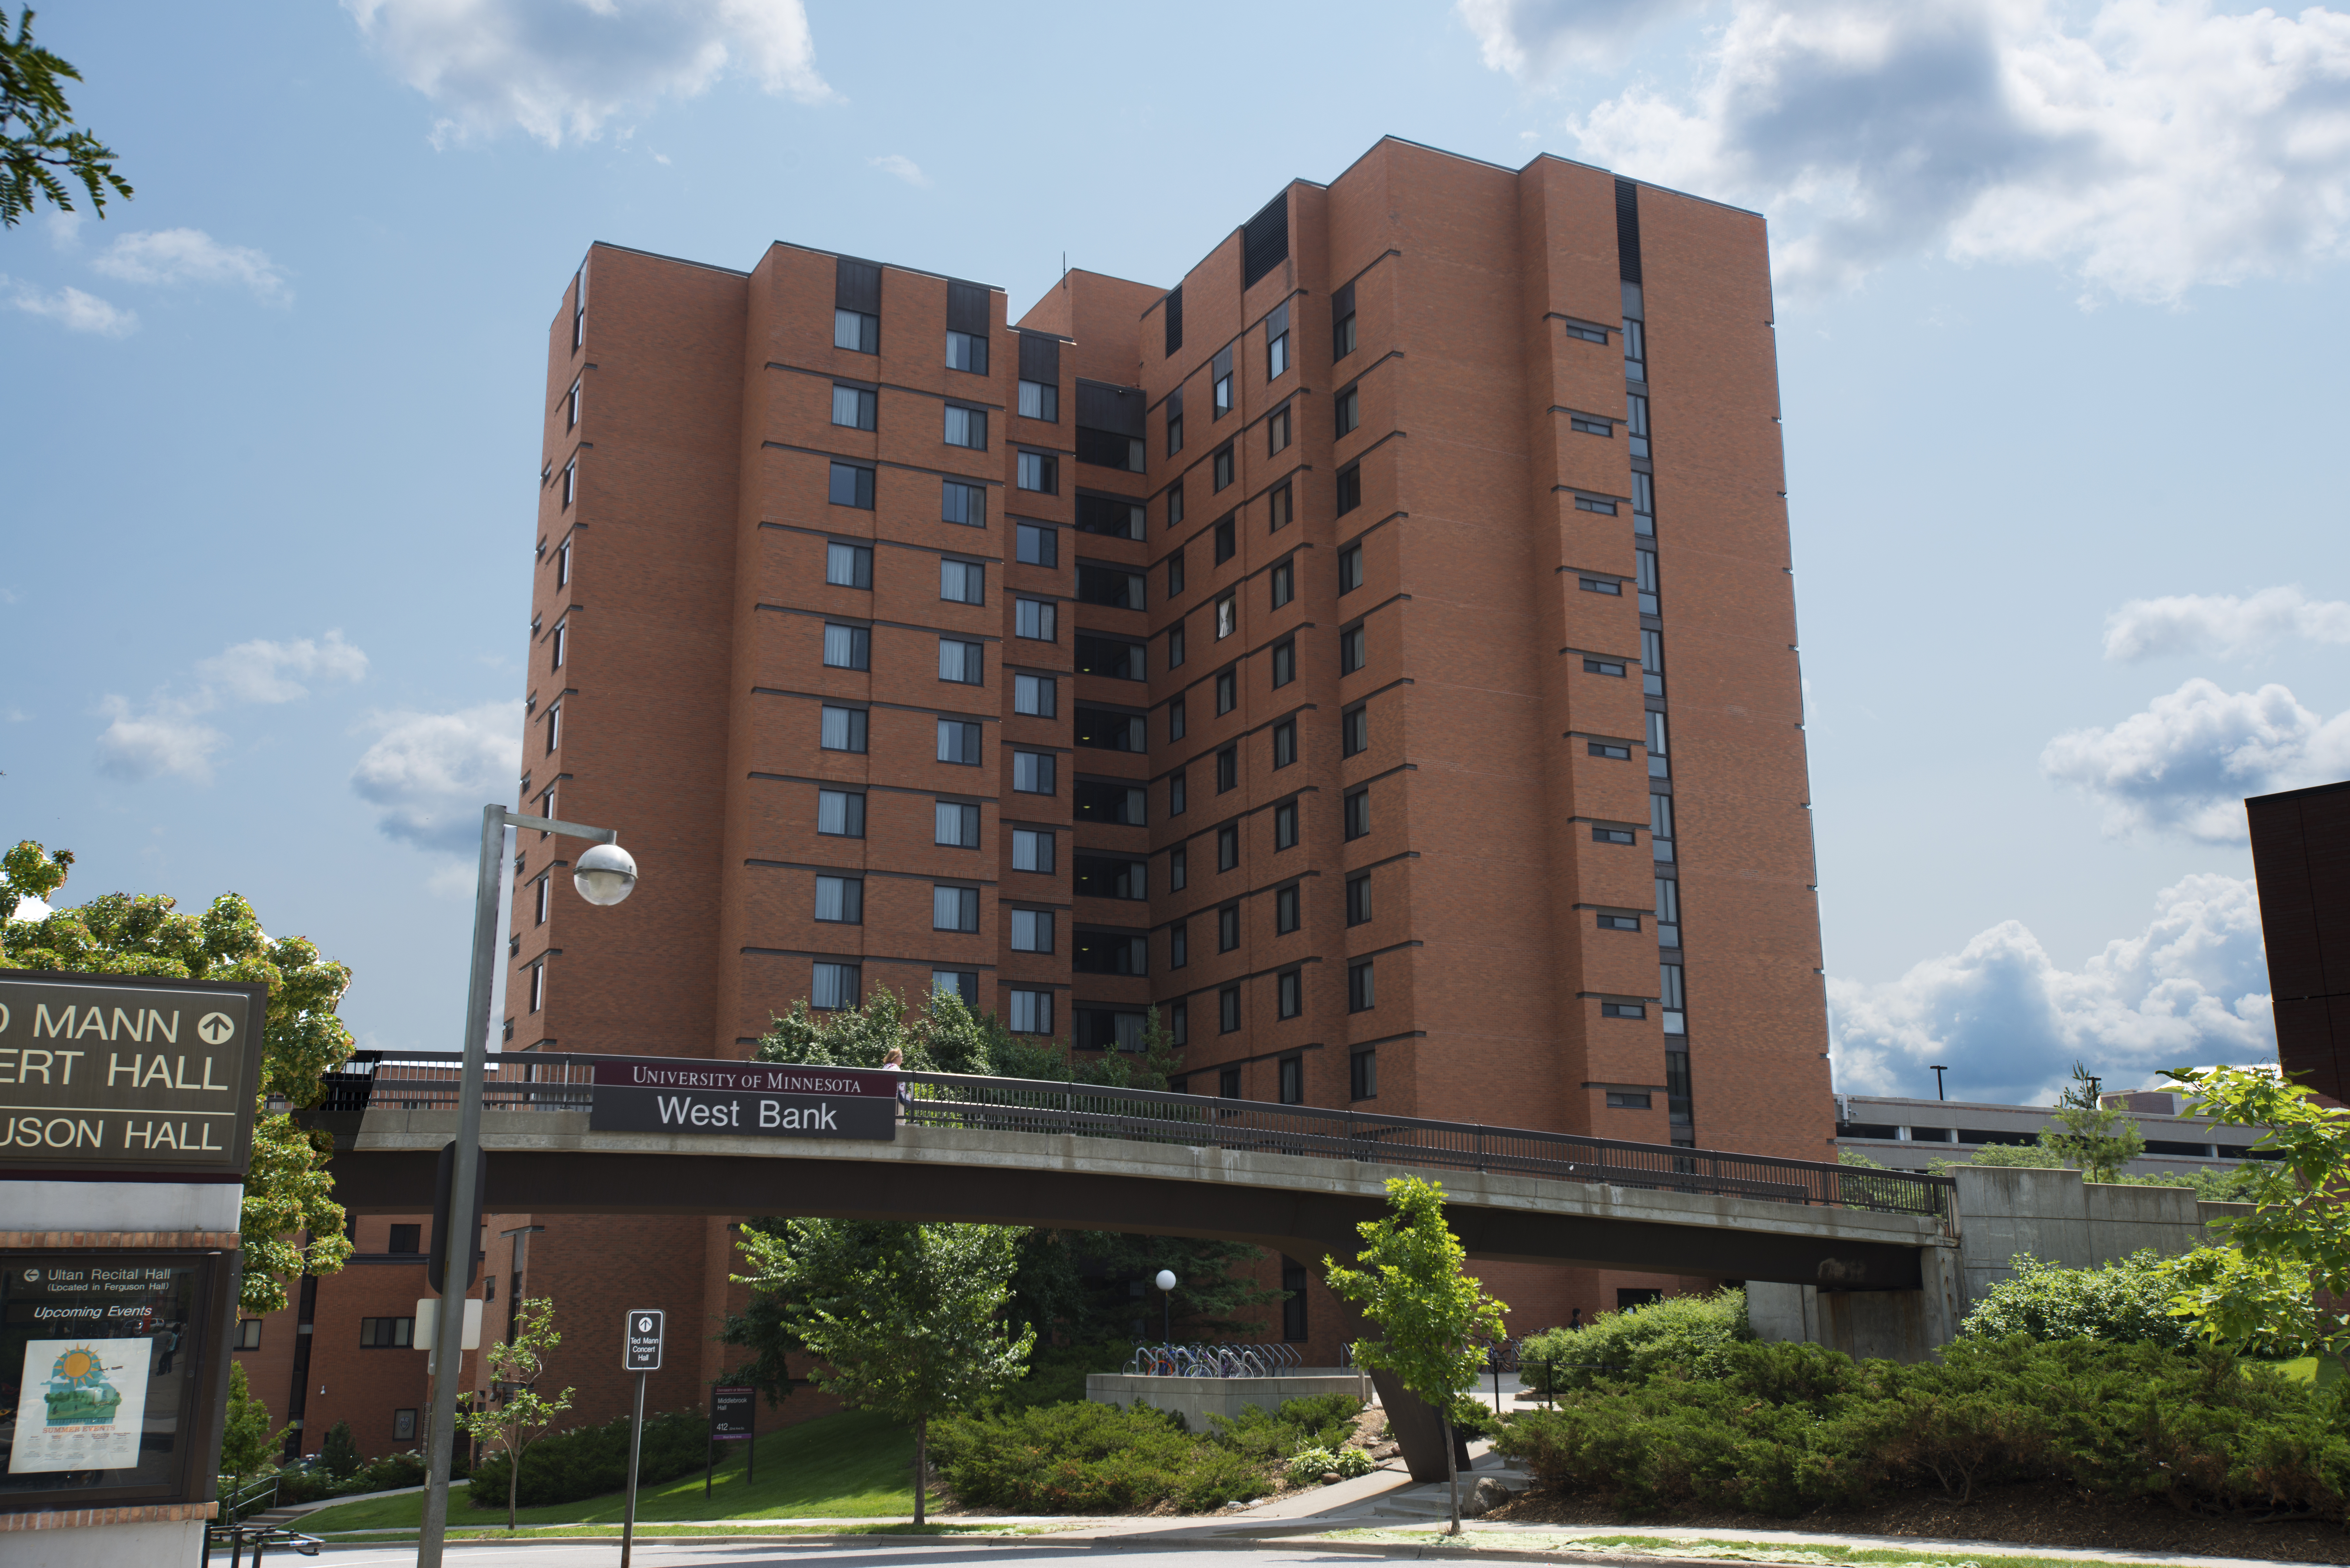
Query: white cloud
(432, 773)
(2148, 145)
(2190, 990)
(192, 256)
(2222, 623)
(166, 738)
(257, 671)
(167, 734)
(903, 167)
(1533, 37)
(71, 308)
(558, 69)
(2186, 764)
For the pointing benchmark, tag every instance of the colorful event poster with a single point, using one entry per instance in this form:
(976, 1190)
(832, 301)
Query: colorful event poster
(83, 1405)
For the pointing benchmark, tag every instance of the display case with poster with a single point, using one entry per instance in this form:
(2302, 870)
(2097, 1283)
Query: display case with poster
(113, 1368)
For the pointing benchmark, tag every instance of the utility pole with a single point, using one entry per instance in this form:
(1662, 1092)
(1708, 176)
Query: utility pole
(1937, 1073)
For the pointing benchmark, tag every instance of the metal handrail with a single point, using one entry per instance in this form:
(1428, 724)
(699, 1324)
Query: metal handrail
(550, 1081)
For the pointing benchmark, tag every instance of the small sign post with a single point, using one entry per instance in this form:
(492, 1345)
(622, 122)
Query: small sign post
(733, 1418)
(640, 1342)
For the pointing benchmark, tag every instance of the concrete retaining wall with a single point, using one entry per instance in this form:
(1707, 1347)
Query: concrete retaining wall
(1197, 1398)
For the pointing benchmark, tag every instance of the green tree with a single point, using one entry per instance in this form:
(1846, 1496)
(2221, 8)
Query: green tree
(338, 1451)
(518, 1414)
(2086, 1136)
(2296, 1239)
(905, 1319)
(247, 1442)
(286, 1189)
(37, 142)
(1412, 1287)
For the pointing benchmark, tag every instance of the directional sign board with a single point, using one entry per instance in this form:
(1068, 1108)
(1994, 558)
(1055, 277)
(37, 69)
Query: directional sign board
(641, 1340)
(734, 1414)
(744, 1099)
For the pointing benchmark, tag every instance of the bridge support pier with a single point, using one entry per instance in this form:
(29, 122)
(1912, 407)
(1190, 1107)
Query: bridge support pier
(1889, 1325)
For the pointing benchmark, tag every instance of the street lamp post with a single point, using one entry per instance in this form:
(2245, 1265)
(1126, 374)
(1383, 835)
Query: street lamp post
(604, 875)
(1937, 1073)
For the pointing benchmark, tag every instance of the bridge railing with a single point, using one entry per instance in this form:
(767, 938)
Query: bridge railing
(557, 1082)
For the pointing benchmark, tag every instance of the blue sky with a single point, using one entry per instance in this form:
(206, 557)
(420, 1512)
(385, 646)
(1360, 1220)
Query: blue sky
(2061, 321)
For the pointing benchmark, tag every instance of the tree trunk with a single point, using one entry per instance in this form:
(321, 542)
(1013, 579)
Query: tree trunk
(513, 1481)
(1452, 1475)
(921, 1465)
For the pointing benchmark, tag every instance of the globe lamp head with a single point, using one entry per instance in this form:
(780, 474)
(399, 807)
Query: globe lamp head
(605, 875)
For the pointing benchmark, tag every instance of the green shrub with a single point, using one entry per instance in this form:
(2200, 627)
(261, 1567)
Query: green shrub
(338, 1451)
(1085, 1457)
(1307, 1467)
(1324, 1421)
(1686, 1332)
(389, 1473)
(589, 1462)
(2125, 1302)
(1787, 1428)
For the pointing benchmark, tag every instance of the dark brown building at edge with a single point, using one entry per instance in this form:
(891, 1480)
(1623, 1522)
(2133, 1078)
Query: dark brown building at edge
(1377, 651)
(2300, 855)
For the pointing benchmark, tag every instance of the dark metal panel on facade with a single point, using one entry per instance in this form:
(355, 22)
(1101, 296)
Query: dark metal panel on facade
(967, 307)
(857, 286)
(1040, 358)
(2300, 856)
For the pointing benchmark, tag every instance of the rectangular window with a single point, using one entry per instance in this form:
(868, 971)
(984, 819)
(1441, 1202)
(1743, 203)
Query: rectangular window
(537, 986)
(248, 1334)
(1032, 773)
(1031, 930)
(1179, 945)
(1174, 422)
(1644, 504)
(1284, 914)
(1111, 876)
(959, 743)
(555, 641)
(961, 662)
(1358, 814)
(1362, 994)
(854, 407)
(1657, 766)
(1031, 850)
(1175, 506)
(955, 908)
(571, 408)
(849, 566)
(1280, 507)
(1032, 1012)
(967, 428)
(1363, 1073)
(1350, 489)
(1227, 691)
(1353, 651)
(1594, 503)
(1220, 468)
(1035, 695)
(1175, 646)
(1623, 1010)
(554, 727)
(404, 1239)
(840, 814)
(570, 480)
(1588, 426)
(963, 984)
(1276, 430)
(962, 582)
(1354, 732)
(1228, 1082)
(1626, 1100)
(1342, 334)
(1350, 568)
(967, 352)
(963, 503)
(563, 564)
(1612, 834)
(1227, 541)
(833, 987)
(1608, 667)
(1033, 618)
(1285, 825)
(1111, 732)
(1358, 899)
(1284, 743)
(1660, 826)
(1219, 374)
(1176, 793)
(387, 1332)
(1284, 585)
(1040, 402)
(1112, 588)
(1105, 952)
(1652, 662)
(1636, 351)
(842, 729)
(1644, 563)
(1636, 423)
(1276, 342)
(1113, 656)
(1289, 1001)
(1349, 404)
(857, 331)
(1668, 912)
(1228, 769)
(1586, 333)
(1228, 846)
(1228, 619)
(956, 825)
(1175, 719)
(1609, 749)
(1039, 472)
(1601, 586)
(852, 485)
(1228, 928)
(1619, 922)
(1036, 545)
(840, 900)
(539, 896)
(1174, 574)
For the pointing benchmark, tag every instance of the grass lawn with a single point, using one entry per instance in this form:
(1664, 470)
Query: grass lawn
(1666, 1549)
(855, 1463)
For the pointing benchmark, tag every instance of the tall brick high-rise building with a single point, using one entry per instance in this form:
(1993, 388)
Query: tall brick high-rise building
(1375, 650)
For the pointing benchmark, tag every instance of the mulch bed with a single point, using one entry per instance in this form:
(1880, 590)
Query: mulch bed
(2043, 1513)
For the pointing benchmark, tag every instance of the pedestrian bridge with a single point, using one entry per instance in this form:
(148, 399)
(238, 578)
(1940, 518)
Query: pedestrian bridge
(572, 1134)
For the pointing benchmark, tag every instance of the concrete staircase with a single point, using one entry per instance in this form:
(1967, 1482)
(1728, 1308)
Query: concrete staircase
(1424, 1503)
